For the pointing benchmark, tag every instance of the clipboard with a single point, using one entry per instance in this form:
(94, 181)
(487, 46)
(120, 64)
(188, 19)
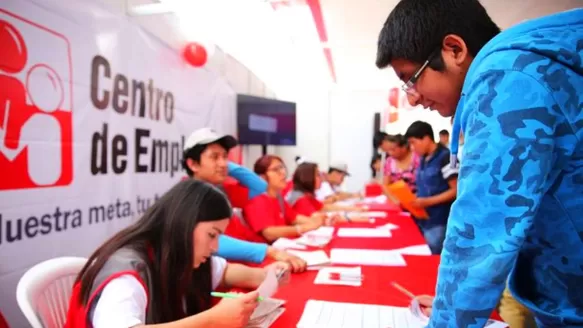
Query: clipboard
(400, 190)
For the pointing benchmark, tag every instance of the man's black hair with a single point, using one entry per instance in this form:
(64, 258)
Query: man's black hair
(415, 30)
(419, 130)
(378, 139)
(193, 153)
(444, 132)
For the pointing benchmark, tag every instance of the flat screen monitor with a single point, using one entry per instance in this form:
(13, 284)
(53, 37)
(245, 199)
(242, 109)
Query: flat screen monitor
(262, 121)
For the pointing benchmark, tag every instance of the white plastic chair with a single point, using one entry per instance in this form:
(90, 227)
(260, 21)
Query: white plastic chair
(44, 291)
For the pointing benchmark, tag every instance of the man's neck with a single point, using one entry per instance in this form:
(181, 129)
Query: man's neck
(432, 149)
(207, 181)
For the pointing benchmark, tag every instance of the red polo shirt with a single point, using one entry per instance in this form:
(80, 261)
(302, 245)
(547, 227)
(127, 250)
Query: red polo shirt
(265, 211)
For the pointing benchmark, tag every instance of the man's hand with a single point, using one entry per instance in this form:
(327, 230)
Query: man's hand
(296, 263)
(421, 202)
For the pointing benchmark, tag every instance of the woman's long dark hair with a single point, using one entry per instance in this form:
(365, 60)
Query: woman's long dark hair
(304, 178)
(166, 230)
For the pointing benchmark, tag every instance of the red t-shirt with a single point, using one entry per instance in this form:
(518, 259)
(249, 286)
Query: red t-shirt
(307, 205)
(264, 211)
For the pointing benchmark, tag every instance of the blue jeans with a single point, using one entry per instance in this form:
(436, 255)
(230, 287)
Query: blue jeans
(434, 236)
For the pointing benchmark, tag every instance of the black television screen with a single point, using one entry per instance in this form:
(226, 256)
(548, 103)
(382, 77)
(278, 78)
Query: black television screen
(262, 121)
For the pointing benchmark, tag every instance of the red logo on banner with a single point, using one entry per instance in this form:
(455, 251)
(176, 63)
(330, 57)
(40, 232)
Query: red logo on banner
(35, 105)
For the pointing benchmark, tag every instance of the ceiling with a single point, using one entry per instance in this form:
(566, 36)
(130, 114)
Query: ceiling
(295, 44)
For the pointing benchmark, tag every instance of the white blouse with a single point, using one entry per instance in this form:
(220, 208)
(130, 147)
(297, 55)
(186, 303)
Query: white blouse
(123, 300)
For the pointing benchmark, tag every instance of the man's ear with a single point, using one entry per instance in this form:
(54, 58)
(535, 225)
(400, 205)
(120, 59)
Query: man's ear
(456, 47)
(192, 165)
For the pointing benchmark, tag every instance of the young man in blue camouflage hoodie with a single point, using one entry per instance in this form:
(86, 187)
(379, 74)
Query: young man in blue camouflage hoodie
(517, 96)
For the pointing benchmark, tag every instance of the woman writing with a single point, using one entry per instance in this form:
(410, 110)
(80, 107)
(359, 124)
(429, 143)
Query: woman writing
(160, 270)
(269, 215)
(306, 180)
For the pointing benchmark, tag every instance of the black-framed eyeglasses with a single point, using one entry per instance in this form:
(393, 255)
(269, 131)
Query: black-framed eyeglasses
(409, 86)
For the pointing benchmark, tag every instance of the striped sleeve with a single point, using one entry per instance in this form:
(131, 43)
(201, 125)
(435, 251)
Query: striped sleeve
(447, 171)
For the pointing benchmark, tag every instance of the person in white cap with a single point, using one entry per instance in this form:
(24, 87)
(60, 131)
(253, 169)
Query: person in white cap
(330, 191)
(205, 158)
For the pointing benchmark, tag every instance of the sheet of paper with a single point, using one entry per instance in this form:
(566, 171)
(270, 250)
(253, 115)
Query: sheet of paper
(266, 313)
(321, 314)
(312, 258)
(285, 243)
(366, 257)
(372, 214)
(322, 231)
(317, 238)
(269, 286)
(323, 277)
(388, 226)
(414, 250)
(381, 199)
(364, 232)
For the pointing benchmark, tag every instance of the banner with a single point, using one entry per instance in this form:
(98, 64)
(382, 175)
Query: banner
(94, 113)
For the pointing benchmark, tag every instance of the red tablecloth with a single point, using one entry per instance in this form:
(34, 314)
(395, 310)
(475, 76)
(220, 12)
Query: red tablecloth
(419, 276)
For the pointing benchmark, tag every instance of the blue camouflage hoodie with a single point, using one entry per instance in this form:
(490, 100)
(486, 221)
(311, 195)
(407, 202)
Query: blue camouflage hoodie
(519, 208)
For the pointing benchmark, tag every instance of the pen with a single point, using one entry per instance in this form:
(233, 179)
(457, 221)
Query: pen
(230, 295)
(402, 290)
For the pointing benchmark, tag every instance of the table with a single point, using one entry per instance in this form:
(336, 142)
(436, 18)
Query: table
(419, 276)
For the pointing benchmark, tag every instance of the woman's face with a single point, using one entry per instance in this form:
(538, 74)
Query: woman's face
(276, 175)
(317, 179)
(206, 239)
(395, 151)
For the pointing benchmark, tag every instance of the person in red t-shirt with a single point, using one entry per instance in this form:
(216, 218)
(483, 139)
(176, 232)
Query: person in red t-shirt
(269, 215)
(306, 180)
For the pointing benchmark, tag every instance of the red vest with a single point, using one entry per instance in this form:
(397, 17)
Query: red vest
(122, 262)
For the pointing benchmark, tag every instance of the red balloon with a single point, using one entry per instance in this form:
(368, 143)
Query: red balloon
(394, 97)
(195, 54)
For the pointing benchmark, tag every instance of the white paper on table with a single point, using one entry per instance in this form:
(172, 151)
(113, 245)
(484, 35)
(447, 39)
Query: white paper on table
(381, 199)
(322, 231)
(312, 258)
(269, 286)
(364, 232)
(414, 250)
(366, 257)
(322, 314)
(323, 277)
(285, 243)
(370, 214)
(388, 226)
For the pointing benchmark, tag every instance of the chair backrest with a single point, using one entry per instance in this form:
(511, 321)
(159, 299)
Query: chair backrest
(44, 291)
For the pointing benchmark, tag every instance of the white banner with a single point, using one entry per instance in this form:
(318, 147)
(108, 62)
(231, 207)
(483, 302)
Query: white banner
(93, 115)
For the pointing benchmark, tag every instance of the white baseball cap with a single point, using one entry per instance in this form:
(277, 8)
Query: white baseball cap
(207, 136)
(340, 166)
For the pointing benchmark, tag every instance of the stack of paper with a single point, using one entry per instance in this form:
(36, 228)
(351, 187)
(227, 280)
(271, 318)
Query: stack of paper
(315, 258)
(269, 309)
(364, 232)
(339, 276)
(366, 257)
(317, 238)
(285, 243)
